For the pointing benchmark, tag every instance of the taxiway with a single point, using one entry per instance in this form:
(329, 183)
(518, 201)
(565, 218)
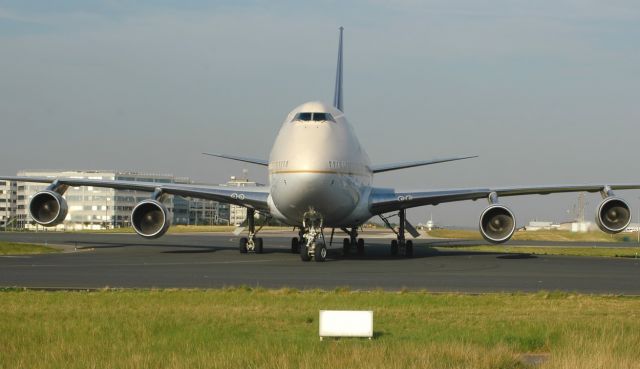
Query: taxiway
(212, 260)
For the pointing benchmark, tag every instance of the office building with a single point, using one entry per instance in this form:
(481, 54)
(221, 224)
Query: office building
(7, 203)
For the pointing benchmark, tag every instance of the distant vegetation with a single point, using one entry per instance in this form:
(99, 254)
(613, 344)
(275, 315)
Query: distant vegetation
(594, 236)
(248, 328)
(613, 252)
(15, 248)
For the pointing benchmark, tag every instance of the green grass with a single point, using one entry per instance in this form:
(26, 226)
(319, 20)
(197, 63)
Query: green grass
(245, 328)
(15, 248)
(626, 252)
(593, 236)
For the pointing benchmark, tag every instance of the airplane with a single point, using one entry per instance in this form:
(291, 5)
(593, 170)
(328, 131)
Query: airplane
(321, 178)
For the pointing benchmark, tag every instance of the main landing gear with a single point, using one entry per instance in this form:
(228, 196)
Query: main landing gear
(353, 242)
(400, 245)
(251, 243)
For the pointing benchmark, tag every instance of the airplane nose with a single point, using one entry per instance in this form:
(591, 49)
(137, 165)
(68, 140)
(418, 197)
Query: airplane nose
(308, 190)
(327, 194)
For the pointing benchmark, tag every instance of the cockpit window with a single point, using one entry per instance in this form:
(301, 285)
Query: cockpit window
(316, 117)
(322, 117)
(304, 116)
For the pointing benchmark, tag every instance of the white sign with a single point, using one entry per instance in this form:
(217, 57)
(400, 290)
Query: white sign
(346, 323)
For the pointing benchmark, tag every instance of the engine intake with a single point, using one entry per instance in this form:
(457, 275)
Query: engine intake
(150, 219)
(497, 224)
(613, 215)
(48, 208)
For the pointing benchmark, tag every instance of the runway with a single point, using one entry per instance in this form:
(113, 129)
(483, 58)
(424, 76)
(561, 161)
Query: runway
(212, 260)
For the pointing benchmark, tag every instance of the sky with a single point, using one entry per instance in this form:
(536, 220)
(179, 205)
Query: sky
(545, 92)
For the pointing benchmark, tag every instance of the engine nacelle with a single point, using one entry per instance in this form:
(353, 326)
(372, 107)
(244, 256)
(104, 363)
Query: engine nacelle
(150, 219)
(497, 224)
(48, 208)
(613, 215)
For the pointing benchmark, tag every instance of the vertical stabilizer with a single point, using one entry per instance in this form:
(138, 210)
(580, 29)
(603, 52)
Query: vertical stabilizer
(337, 97)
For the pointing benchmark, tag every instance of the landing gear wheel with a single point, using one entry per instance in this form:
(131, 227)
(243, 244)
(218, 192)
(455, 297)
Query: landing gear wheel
(346, 246)
(304, 253)
(295, 245)
(259, 243)
(360, 246)
(409, 249)
(394, 247)
(243, 245)
(320, 252)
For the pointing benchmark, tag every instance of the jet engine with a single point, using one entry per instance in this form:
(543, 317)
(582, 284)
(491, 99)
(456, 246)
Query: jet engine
(150, 219)
(613, 215)
(497, 223)
(48, 208)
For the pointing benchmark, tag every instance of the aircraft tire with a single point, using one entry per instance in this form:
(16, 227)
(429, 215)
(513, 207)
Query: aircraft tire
(259, 242)
(304, 253)
(242, 245)
(346, 246)
(321, 252)
(360, 246)
(409, 249)
(394, 247)
(295, 245)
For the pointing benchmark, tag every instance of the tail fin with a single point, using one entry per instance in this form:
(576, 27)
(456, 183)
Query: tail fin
(337, 97)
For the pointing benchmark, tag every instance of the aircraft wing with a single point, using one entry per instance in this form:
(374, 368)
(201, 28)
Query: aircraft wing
(262, 162)
(411, 164)
(384, 200)
(250, 197)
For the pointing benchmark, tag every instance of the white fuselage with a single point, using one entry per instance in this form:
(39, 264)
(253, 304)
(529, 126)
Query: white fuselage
(319, 167)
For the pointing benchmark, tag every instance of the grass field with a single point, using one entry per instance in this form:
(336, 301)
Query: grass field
(594, 236)
(623, 252)
(15, 248)
(244, 328)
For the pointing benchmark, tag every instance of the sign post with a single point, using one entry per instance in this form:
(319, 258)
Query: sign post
(346, 323)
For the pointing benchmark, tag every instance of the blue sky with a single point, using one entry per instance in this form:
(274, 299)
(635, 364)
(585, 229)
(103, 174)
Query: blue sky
(545, 92)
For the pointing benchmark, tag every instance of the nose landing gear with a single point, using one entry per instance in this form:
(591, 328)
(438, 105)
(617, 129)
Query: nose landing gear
(313, 245)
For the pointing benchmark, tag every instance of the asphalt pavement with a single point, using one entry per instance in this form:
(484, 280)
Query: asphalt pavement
(211, 260)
